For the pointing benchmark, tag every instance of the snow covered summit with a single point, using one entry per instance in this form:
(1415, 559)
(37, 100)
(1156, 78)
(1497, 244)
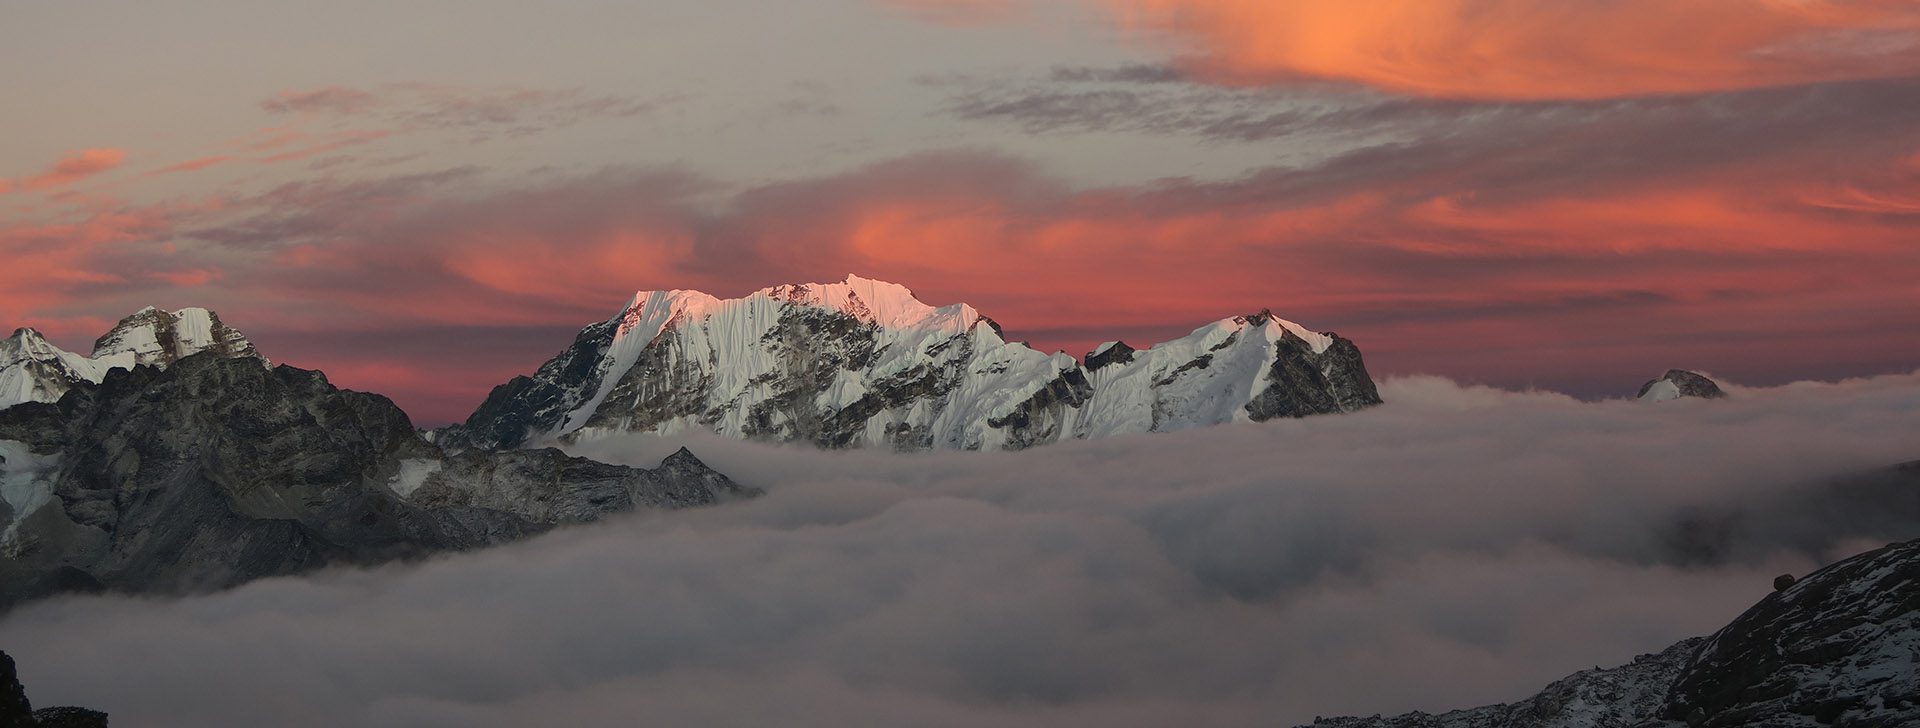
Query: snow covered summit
(32, 369)
(865, 363)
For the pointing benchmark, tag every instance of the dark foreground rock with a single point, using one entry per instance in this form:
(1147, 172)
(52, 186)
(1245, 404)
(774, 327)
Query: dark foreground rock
(69, 717)
(17, 712)
(218, 471)
(1840, 647)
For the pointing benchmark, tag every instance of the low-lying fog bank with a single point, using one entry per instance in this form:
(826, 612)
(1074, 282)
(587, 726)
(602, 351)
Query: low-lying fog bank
(1455, 547)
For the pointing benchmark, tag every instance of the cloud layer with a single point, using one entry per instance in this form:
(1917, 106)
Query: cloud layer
(1458, 546)
(1578, 246)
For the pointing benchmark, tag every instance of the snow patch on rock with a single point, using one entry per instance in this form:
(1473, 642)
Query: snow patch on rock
(26, 484)
(413, 472)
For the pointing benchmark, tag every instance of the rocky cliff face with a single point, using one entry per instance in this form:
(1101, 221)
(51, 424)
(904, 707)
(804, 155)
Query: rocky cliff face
(217, 470)
(1837, 648)
(34, 370)
(862, 363)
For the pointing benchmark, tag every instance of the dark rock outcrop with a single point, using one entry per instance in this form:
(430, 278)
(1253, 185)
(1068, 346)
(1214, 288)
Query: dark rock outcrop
(1116, 353)
(17, 712)
(1838, 647)
(217, 471)
(1302, 382)
(538, 403)
(15, 709)
(69, 717)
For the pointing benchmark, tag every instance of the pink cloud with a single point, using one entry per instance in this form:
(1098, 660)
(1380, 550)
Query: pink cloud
(71, 169)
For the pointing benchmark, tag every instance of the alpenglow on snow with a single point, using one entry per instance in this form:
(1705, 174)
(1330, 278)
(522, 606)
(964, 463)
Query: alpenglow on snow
(862, 363)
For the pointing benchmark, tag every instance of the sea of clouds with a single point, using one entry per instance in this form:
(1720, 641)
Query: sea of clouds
(1457, 546)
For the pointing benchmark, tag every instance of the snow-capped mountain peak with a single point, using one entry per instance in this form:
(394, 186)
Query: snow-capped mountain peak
(1680, 384)
(33, 369)
(864, 362)
(153, 337)
(881, 303)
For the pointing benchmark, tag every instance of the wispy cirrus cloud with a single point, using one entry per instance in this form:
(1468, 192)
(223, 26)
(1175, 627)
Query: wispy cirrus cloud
(445, 106)
(324, 100)
(194, 165)
(71, 169)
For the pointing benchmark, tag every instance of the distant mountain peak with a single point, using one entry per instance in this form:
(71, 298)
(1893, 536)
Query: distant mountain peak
(1678, 384)
(154, 337)
(33, 369)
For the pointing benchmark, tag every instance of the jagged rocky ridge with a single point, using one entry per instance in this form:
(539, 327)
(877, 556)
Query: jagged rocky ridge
(863, 363)
(1840, 647)
(32, 369)
(1679, 383)
(16, 711)
(216, 471)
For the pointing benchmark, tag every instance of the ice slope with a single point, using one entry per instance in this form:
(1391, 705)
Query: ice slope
(32, 369)
(863, 363)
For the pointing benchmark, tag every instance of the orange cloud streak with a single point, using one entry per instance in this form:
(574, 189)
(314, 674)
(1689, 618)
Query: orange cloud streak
(76, 167)
(1528, 49)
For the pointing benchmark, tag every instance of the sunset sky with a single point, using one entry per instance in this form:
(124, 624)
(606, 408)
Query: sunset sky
(425, 198)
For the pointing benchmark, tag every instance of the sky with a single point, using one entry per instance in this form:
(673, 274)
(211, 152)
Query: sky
(424, 199)
(1457, 546)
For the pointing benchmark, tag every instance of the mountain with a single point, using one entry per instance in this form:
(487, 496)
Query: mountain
(216, 470)
(1678, 383)
(34, 370)
(1838, 648)
(863, 363)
